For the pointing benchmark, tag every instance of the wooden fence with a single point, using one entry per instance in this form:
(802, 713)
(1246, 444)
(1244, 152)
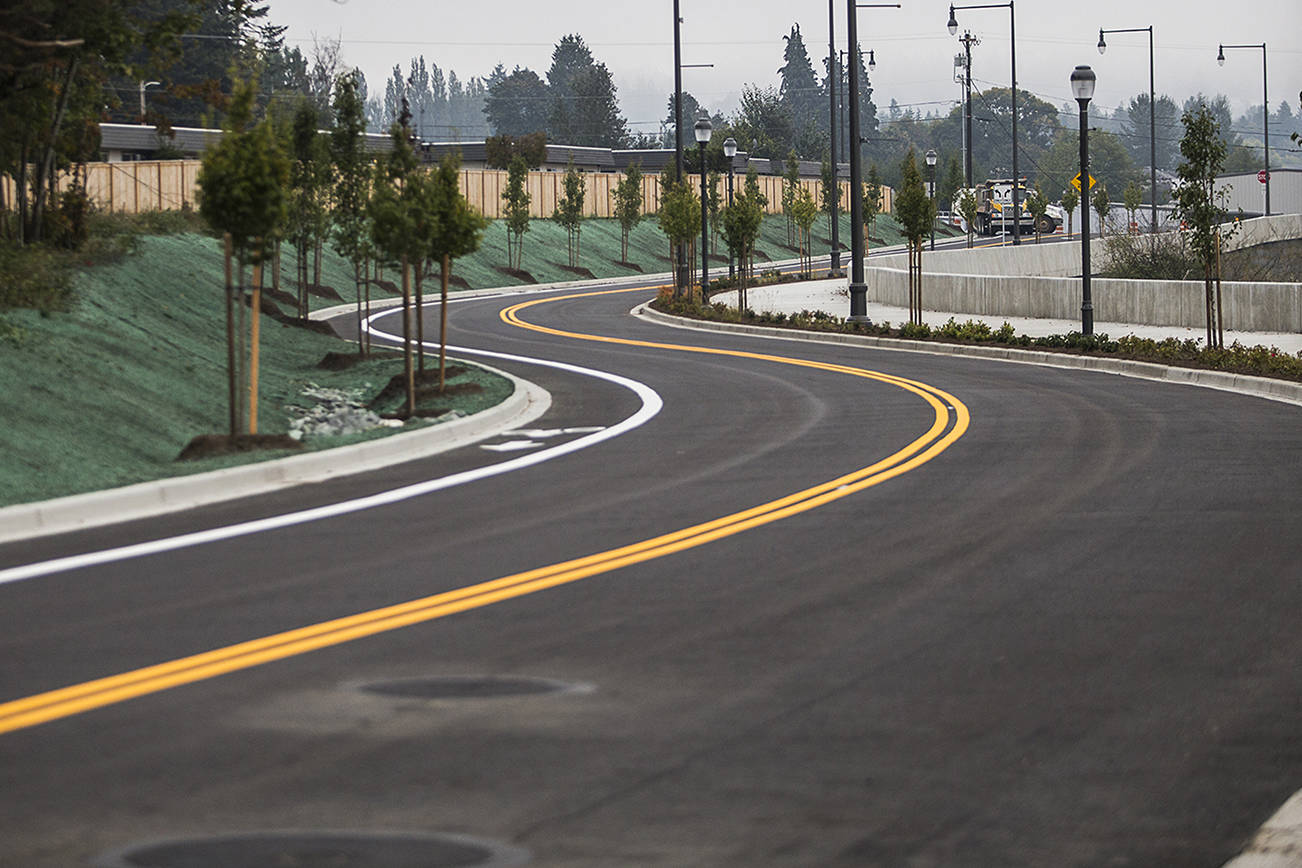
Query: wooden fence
(167, 185)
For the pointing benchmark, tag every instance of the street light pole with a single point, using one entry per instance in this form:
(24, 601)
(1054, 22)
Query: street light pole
(931, 173)
(1012, 36)
(703, 132)
(1082, 87)
(1265, 110)
(1152, 114)
(143, 85)
(858, 291)
(831, 137)
(730, 151)
(680, 253)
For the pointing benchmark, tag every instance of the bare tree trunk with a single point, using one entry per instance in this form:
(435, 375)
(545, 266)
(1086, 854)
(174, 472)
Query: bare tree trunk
(406, 338)
(420, 315)
(445, 272)
(47, 164)
(316, 269)
(231, 373)
(357, 285)
(241, 306)
(255, 320)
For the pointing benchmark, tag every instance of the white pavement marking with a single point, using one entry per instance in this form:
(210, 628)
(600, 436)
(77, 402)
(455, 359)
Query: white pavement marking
(510, 446)
(545, 433)
(651, 405)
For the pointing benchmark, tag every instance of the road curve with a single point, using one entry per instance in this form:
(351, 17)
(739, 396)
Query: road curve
(1067, 637)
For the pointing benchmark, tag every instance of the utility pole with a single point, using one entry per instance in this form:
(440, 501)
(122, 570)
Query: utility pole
(968, 41)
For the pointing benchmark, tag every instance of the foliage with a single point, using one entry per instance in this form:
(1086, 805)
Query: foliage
(914, 209)
(967, 207)
(1136, 131)
(1070, 199)
(1198, 203)
(569, 210)
(1109, 160)
(500, 150)
(872, 197)
(516, 103)
(1132, 197)
(743, 219)
(804, 210)
(680, 213)
(1102, 204)
(243, 179)
(628, 205)
(951, 183)
(351, 232)
(1164, 256)
(516, 213)
(1037, 203)
(829, 190)
(762, 124)
(582, 106)
(309, 185)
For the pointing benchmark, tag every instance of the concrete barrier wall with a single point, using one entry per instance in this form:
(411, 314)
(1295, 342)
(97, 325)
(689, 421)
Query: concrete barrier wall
(1043, 281)
(1270, 307)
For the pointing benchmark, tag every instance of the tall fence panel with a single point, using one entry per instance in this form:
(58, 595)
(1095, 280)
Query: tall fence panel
(168, 185)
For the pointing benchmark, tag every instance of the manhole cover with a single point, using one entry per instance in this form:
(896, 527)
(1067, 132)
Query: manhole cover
(470, 687)
(319, 850)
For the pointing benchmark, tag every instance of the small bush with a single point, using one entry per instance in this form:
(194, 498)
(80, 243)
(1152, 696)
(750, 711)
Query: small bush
(35, 277)
(1149, 257)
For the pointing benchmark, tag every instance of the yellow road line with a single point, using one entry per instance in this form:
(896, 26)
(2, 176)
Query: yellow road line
(67, 701)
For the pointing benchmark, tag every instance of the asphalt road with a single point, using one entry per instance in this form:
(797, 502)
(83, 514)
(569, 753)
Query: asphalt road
(1068, 637)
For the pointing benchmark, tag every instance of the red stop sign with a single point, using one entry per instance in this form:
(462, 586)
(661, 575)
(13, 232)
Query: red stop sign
(1263, 176)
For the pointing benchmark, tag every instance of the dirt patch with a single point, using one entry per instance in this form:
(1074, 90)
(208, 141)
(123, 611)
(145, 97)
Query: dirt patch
(280, 296)
(388, 286)
(585, 273)
(313, 325)
(322, 291)
(427, 387)
(518, 274)
(629, 265)
(458, 282)
(266, 305)
(334, 361)
(210, 445)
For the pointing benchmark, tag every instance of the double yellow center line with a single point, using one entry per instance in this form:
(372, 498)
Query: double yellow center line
(946, 428)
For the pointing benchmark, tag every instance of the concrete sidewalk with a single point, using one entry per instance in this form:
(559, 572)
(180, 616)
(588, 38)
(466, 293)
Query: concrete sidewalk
(831, 296)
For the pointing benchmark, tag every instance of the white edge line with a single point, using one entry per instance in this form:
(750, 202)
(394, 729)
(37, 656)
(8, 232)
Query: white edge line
(651, 405)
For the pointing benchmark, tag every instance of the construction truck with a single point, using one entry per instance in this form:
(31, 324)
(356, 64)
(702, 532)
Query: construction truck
(995, 209)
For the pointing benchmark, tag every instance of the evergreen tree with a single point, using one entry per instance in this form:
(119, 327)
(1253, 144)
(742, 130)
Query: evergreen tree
(351, 230)
(802, 97)
(1135, 131)
(516, 104)
(459, 229)
(583, 108)
(516, 212)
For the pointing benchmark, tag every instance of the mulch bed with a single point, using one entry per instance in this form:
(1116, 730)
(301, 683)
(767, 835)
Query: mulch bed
(210, 445)
(518, 274)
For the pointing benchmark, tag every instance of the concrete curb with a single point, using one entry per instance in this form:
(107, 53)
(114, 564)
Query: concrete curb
(1278, 844)
(1285, 391)
(22, 521)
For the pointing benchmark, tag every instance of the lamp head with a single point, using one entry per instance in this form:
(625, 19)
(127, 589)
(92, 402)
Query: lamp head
(703, 130)
(1082, 84)
(1220, 55)
(1103, 46)
(931, 156)
(730, 147)
(872, 60)
(953, 22)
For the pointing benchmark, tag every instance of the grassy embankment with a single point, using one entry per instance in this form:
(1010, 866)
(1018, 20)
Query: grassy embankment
(107, 384)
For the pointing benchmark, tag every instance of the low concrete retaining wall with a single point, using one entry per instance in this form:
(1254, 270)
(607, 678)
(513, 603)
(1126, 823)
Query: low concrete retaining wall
(1042, 281)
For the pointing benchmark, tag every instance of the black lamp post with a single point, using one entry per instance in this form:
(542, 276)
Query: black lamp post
(1265, 109)
(730, 151)
(931, 181)
(858, 291)
(831, 127)
(1082, 87)
(1152, 113)
(1012, 37)
(703, 131)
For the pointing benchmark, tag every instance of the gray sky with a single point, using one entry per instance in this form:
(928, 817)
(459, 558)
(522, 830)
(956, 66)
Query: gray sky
(914, 50)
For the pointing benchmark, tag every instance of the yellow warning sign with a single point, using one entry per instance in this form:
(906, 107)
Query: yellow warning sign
(1075, 182)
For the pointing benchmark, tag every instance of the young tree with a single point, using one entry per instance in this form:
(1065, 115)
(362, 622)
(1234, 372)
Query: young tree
(713, 202)
(742, 221)
(1037, 203)
(401, 228)
(790, 184)
(1102, 205)
(830, 193)
(308, 186)
(1070, 199)
(459, 229)
(680, 220)
(872, 204)
(1132, 197)
(569, 211)
(628, 206)
(242, 194)
(915, 211)
(351, 231)
(516, 212)
(1200, 206)
(967, 208)
(804, 210)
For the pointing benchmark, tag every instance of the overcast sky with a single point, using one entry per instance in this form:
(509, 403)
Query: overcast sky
(914, 51)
